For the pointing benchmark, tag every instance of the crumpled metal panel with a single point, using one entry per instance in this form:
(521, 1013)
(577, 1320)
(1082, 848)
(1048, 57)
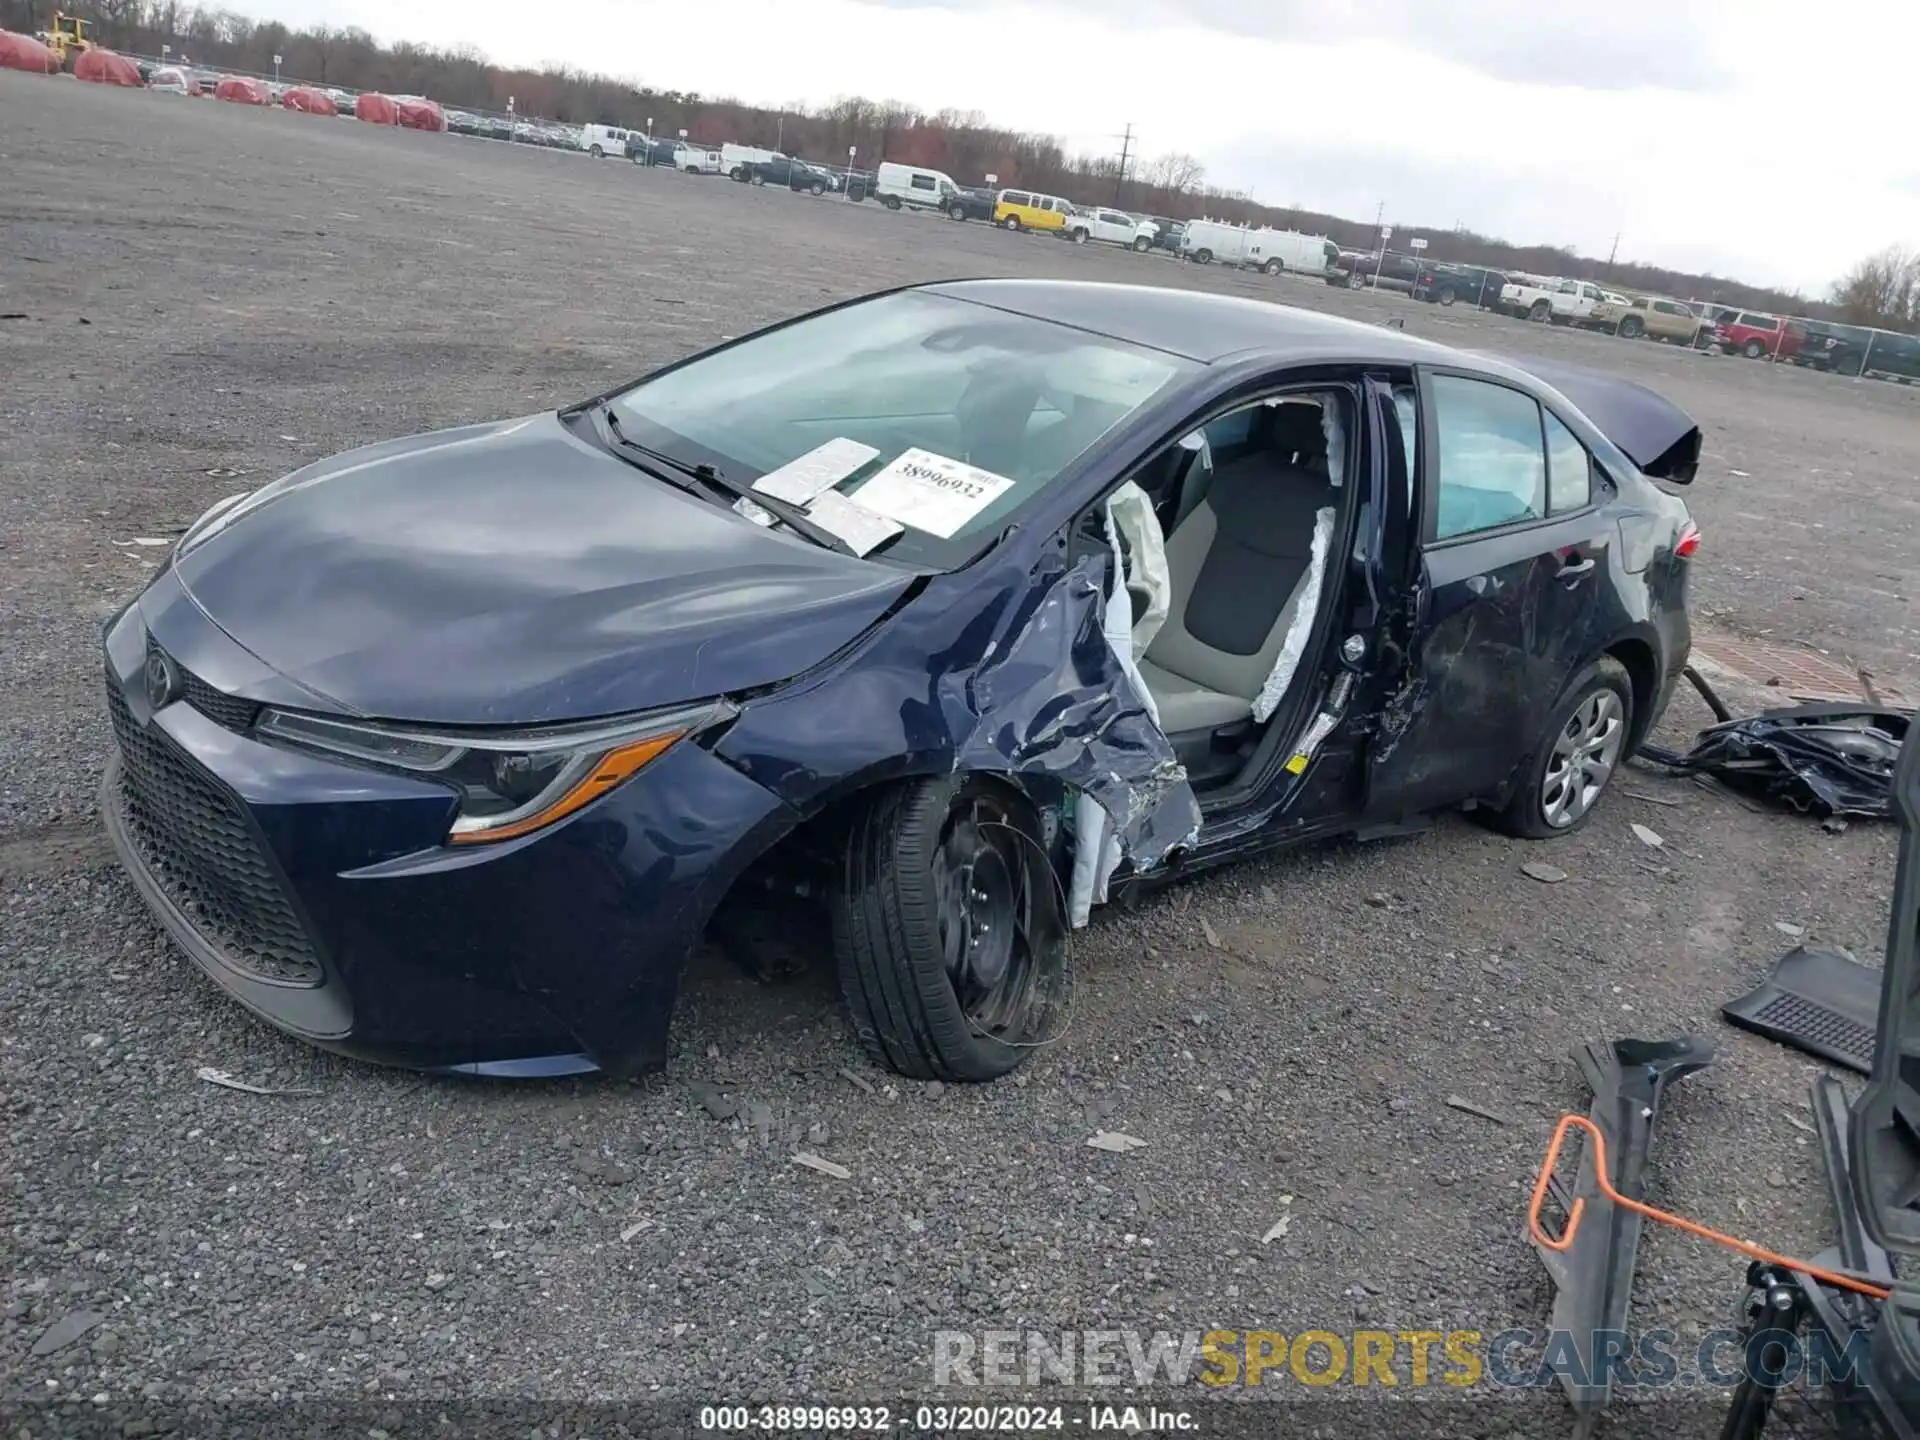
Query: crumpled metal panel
(1832, 759)
(1050, 698)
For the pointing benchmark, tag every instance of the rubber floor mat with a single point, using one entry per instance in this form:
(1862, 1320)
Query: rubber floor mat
(1819, 1001)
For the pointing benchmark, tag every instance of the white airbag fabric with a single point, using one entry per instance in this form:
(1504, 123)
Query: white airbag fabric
(1301, 626)
(1132, 510)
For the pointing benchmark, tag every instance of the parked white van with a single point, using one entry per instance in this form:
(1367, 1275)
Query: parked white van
(897, 185)
(737, 161)
(1273, 251)
(602, 140)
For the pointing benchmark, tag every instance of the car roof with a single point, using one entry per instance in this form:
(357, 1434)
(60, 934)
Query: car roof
(1197, 325)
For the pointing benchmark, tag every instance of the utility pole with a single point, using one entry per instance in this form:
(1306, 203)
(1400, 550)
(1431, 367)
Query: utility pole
(1611, 254)
(1126, 148)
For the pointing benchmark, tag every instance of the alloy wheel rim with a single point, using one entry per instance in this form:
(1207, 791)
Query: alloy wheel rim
(1584, 756)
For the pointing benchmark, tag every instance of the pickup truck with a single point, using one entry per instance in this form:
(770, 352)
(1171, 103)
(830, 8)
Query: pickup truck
(1559, 302)
(1111, 227)
(968, 203)
(793, 173)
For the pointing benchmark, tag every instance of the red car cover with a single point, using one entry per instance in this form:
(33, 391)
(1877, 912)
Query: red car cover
(23, 52)
(242, 90)
(103, 67)
(309, 101)
(421, 115)
(377, 108)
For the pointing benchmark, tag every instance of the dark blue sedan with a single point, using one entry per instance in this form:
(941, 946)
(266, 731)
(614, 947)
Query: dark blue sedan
(939, 617)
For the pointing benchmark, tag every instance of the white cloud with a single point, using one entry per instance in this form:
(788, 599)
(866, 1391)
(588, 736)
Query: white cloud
(1688, 127)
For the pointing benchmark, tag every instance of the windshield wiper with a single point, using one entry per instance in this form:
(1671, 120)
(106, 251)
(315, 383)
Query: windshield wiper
(791, 516)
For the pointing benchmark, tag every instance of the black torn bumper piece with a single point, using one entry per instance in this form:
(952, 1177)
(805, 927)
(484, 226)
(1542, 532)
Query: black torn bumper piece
(1593, 1277)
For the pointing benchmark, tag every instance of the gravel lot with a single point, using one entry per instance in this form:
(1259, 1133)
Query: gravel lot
(213, 295)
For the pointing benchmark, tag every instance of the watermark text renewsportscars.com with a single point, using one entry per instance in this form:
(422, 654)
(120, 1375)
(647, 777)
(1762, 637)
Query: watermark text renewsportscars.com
(1454, 1359)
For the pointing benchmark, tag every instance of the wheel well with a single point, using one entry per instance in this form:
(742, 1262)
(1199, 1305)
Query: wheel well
(1643, 670)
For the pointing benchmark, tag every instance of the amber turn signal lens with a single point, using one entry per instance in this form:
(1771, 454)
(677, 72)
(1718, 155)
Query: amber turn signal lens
(612, 769)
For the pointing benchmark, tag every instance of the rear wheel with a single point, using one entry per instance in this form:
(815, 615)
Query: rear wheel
(1446, 296)
(1584, 743)
(949, 932)
(1540, 312)
(756, 178)
(1142, 243)
(956, 211)
(1078, 236)
(892, 202)
(1754, 349)
(597, 153)
(1632, 328)
(819, 187)
(1012, 222)
(1205, 257)
(1273, 267)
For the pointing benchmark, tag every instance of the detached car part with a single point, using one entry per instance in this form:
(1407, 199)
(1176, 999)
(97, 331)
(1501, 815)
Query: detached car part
(1827, 758)
(1593, 1276)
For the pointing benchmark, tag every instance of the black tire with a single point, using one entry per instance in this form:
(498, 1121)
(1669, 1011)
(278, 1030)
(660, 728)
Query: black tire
(1632, 328)
(1540, 312)
(1078, 236)
(1012, 222)
(1273, 267)
(892, 202)
(1203, 257)
(1526, 813)
(1355, 280)
(1754, 349)
(1142, 244)
(597, 153)
(756, 178)
(1446, 296)
(957, 212)
(897, 931)
(819, 187)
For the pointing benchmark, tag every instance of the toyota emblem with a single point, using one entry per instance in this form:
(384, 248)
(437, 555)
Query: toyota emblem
(163, 681)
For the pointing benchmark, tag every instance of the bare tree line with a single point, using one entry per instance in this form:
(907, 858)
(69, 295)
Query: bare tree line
(1882, 290)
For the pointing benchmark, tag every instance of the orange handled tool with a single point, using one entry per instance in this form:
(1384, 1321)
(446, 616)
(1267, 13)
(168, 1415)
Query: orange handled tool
(1598, 1143)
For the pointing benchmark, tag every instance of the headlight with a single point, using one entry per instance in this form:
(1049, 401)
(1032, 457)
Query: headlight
(509, 784)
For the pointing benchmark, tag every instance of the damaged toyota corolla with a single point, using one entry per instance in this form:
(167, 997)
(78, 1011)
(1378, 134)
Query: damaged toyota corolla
(955, 610)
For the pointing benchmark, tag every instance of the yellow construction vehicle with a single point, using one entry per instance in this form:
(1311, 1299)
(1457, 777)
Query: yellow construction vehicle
(67, 37)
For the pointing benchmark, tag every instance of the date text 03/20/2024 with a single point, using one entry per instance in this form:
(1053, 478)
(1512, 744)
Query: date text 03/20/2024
(944, 1419)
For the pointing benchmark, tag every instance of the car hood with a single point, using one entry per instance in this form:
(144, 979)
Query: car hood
(515, 574)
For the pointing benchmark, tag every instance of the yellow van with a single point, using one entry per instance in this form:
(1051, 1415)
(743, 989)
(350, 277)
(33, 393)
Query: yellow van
(1022, 209)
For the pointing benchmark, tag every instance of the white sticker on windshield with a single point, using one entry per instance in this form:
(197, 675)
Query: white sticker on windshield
(758, 514)
(821, 468)
(855, 524)
(931, 492)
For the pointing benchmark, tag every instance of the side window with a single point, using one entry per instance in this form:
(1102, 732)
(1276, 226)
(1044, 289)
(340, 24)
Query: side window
(923, 182)
(1406, 409)
(1229, 432)
(1493, 470)
(1569, 470)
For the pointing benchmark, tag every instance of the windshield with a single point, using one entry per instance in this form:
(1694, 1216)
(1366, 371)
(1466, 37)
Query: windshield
(1016, 397)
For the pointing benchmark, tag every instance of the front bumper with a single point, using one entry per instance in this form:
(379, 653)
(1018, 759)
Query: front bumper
(321, 896)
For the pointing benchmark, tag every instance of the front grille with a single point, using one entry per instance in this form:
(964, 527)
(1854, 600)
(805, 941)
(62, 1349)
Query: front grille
(223, 709)
(201, 851)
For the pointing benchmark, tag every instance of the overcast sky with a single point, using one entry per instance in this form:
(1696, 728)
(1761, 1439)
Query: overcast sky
(1703, 132)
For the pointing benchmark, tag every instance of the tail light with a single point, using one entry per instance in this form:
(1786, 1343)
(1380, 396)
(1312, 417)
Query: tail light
(1688, 542)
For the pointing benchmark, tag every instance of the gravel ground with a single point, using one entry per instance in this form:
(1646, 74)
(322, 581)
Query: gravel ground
(214, 295)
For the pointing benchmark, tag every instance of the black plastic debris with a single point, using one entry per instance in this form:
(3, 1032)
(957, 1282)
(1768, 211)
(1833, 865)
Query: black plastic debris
(1819, 1001)
(1593, 1278)
(1827, 759)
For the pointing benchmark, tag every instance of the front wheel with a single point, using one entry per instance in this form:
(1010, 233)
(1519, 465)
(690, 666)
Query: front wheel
(1446, 295)
(756, 178)
(948, 930)
(818, 187)
(1012, 222)
(892, 202)
(597, 153)
(1079, 237)
(1141, 244)
(956, 212)
(1583, 744)
(1273, 267)
(1753, 349)
(1203, 257)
